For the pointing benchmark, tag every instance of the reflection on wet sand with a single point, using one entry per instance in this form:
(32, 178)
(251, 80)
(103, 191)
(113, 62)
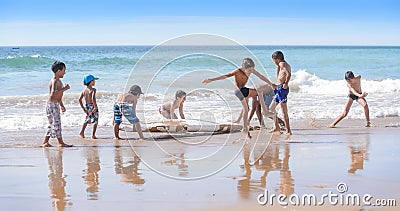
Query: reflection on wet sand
(56, 176)
(179, 161)
(268, 161)
(129, 170)
(358, 152)
(91, 173)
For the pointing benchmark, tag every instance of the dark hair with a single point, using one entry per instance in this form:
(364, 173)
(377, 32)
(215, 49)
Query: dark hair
(278, 55)
(247, 63)
(348, 75)
(135, 90)
(57, 65)
(180, 93)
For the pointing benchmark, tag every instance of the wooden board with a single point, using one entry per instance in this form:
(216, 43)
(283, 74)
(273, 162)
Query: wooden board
(192, 126)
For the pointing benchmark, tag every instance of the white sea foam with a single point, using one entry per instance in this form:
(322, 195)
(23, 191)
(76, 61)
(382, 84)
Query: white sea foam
(304, 82)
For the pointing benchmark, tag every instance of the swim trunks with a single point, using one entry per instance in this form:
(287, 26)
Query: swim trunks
(281, 94)
(92, 114)
(242, 92)
(268, 97)
(53, 115)
(124, 109)
(355, 97)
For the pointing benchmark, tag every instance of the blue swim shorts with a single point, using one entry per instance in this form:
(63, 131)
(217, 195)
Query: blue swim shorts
(124, 109)
(281, 94)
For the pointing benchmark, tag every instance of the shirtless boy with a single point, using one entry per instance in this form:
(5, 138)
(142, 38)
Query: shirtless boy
(91, 110)
(283, 74)
(53, 105)
(126, 106)
(167, 110)
(355, 93)
(267, 94)
(242, 75)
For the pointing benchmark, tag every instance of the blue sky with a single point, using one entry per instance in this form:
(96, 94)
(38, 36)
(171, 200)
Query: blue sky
(123, 22)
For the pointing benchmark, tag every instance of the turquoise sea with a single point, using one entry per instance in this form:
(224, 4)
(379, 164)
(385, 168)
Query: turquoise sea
(318, 89)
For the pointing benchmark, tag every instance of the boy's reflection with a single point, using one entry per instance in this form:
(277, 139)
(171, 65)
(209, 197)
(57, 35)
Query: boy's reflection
(57, 181)
(269, 161)
(359, 152)
(129, 170)
(91, 173)
(179, 161)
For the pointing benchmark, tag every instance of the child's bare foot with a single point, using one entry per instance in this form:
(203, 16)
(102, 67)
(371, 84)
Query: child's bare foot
(369, 124)
(117, 138)
(82, 135)
(66, 145)
(46, 145)
(288, 133)
(94, 137)
(275, 130)
(331, 126)
(268, 114)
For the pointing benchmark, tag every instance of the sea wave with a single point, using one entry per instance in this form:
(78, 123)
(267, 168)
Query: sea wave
(304, 82)
(22, 63)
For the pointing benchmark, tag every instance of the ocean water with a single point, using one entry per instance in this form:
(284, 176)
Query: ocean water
(318, 88)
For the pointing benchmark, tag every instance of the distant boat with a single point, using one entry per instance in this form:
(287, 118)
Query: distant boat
(15, 48)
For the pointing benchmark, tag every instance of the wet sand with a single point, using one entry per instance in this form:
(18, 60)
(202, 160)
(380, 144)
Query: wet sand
(224, 171)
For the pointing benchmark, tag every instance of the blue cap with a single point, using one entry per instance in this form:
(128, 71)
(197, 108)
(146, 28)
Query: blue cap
(88, 78)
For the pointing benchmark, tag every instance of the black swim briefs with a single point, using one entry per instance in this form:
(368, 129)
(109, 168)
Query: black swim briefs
(242, 92)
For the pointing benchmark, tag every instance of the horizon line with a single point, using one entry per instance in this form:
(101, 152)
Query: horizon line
(152, 45)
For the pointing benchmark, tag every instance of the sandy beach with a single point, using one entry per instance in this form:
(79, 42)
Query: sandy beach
(200, 172)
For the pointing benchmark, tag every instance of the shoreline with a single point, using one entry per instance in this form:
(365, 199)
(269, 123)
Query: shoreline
(19, 138)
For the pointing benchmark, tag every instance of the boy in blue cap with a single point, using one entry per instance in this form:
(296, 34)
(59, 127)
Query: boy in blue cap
(91, 110)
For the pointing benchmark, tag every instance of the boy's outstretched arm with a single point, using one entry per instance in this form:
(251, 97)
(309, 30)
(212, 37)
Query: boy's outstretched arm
(208, 80)
(264, 79)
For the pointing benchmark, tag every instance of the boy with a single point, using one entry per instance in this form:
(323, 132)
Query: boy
(167, 110)
(56, 91)
(268, 94)
(355, 93)
(283, 74)
(126, 105)
(91, 110)
(242, 75)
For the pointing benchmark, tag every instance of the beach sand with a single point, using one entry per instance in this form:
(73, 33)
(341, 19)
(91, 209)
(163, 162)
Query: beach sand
(223, 171)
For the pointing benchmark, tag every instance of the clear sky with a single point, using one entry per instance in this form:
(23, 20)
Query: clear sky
(149, 22)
